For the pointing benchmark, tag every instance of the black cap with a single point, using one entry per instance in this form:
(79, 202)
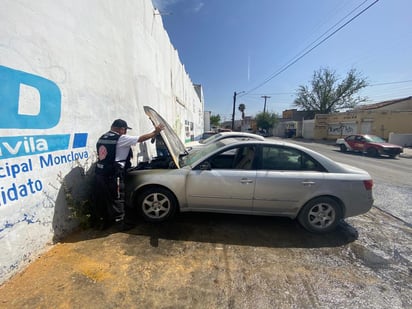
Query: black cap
(120, 123)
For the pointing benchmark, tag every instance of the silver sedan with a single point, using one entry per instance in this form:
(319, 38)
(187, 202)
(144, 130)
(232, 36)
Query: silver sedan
(270, 178)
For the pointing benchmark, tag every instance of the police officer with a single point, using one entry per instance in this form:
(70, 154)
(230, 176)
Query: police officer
(114, 154)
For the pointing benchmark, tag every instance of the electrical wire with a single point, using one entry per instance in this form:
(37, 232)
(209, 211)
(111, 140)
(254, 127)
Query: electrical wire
(330, 28)
(284, 68)
(371, 85)
(391, 83)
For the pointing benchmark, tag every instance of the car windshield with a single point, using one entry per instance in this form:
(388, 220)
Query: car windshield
(211, 138)
(199, 153)
(373, 138)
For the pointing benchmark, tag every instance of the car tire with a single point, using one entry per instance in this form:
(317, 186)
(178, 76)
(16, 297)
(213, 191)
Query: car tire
(156, 204)
(343, 148)
(372, 152)
(320, 215)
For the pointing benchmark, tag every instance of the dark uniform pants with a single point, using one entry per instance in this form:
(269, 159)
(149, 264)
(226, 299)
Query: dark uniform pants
(108, 201)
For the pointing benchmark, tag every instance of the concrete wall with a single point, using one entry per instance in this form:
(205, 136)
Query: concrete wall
(404, 140)
(68, 68)
(376, 122)
(307, 128)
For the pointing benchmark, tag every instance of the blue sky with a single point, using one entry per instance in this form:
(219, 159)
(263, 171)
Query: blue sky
(248, 46)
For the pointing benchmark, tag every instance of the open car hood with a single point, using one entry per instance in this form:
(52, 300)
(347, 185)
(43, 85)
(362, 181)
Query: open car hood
(170, 138)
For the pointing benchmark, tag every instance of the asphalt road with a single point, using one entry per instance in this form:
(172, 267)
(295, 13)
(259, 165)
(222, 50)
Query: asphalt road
(228, 261)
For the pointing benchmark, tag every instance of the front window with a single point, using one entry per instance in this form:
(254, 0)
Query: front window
(237, 158)
(290, 159)
(198, 153)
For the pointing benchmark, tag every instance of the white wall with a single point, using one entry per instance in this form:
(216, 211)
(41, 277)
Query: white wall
(68, 68)
(307, 128)
(404, 140)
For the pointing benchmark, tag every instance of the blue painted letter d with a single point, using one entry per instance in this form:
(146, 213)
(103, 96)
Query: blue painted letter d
(50, 101)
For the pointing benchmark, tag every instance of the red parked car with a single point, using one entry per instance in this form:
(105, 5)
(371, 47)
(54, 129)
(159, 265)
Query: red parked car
(371, 145)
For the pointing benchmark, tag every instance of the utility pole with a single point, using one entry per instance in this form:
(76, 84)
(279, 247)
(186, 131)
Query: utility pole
(264, 106)
(234, 105)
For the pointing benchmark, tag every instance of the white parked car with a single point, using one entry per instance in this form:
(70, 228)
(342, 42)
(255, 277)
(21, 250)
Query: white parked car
(254, 177)
(222, 135)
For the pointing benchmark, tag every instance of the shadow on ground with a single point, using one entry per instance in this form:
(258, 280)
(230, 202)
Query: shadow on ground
(228, 229)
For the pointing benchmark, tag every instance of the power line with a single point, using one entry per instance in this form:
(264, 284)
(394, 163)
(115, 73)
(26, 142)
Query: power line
(391, 83)
(254, 95)
(312, 48)
(371, 85)
(272, 93)
(330, 28)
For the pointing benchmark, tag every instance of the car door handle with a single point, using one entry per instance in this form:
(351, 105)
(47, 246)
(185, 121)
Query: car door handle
(246, 180)
(308, 183)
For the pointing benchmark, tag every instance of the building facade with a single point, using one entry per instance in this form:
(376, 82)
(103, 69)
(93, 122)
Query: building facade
(379, 119)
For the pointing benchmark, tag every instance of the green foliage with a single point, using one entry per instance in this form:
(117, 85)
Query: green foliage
(215, 120)
(266, 120)
(77, 189)
(328, 95)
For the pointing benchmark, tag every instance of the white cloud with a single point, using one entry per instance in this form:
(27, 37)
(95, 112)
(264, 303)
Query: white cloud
(198, 6)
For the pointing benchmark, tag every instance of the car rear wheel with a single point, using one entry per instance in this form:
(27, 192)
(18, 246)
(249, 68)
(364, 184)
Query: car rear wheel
(343, 148)
(320, 215)
(156, 204)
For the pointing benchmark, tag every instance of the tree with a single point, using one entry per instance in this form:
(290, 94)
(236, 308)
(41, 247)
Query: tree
(327, 95)
(242, 108)
(215, 120)
(266, 120)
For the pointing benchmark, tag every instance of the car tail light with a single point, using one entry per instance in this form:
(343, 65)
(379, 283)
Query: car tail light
(368, 184)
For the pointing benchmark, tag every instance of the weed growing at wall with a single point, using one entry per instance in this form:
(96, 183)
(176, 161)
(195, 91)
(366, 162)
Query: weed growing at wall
(77, 187)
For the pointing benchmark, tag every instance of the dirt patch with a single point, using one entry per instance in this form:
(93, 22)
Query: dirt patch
(223, 261)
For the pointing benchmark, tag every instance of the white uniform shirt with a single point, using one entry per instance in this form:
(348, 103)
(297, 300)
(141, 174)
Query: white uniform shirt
(123, 145)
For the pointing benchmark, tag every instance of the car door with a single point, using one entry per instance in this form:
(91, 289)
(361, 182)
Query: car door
(358, 143)
(223, 182)
(286, 178)
(350, 140)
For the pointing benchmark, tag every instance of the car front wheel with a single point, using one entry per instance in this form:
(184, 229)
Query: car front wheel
(156, 204)
(343, 148)
(372, 152)
(320, 215)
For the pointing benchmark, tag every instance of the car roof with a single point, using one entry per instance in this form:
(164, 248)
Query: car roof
(234, 134)
(246, 134)
(328, 163)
